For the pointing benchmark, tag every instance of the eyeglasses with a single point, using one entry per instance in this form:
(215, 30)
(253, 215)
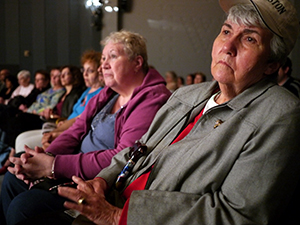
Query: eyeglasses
(88, 71)
(39, 79)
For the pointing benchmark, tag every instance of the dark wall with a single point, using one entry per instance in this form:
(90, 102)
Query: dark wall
(54, 32)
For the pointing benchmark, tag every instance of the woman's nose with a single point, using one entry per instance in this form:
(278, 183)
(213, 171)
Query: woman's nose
(230, 46)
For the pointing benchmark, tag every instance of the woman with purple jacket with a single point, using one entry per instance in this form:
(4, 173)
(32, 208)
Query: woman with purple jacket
(113, 120)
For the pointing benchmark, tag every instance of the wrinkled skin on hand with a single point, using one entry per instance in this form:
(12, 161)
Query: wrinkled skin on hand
(95, 207)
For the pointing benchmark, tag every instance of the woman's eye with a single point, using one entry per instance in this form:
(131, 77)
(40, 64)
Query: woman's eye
(251, 39)
(226, 32)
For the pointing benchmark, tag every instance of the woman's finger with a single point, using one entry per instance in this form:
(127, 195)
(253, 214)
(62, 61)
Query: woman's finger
(70, 193)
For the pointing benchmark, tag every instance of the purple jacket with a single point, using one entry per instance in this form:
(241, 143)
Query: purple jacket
(132, 121)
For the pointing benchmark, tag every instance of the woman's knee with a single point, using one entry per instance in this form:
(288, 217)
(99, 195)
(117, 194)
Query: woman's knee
(11, 184)
(32, 203)
(11, 187)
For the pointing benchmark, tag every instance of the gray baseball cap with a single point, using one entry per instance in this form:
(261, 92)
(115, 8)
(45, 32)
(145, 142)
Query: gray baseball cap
(280, 16)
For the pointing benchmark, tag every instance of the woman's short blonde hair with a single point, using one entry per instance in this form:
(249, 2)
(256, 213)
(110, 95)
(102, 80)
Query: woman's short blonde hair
(134, 45)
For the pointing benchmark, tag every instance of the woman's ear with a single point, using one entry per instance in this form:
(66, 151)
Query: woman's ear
(139, 62)
(272, 68)
(286, 70)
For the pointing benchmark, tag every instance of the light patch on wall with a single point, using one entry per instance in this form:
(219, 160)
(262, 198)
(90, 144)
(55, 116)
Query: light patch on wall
(164, 24)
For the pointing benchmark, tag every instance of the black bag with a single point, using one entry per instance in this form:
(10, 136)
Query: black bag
(16, 101)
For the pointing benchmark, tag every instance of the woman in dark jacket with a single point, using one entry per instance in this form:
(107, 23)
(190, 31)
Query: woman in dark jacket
(72, 80)
(11, 83)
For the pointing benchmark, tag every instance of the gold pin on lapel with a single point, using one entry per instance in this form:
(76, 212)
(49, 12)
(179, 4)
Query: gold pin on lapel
(218, 123)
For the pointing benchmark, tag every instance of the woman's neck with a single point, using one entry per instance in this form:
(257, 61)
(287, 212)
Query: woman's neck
(127, 89)
(57, 87)
(227, 92)
(94, 87)
(68, 89)
(25, 85)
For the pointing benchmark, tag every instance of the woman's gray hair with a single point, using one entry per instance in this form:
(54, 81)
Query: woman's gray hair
(247, 15)
(134, 45)
(24, 73)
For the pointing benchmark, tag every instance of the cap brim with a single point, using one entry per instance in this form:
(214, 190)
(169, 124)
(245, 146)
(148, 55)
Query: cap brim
(227, 4)
(267, 19)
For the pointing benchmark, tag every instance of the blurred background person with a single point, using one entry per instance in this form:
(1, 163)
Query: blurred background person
(171, 79)
(180, 82)
(190, 79)
(3, 73)
(72, 81)
(25, 87)
(286, 80)
(11, 83)
(199, 78)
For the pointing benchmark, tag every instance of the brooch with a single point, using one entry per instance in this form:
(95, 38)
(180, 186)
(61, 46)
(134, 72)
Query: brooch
(218, 123)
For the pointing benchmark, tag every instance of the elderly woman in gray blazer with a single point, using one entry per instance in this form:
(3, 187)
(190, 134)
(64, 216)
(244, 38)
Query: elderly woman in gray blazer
(221, 152)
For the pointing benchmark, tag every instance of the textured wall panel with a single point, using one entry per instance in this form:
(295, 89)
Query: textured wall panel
(179, 33)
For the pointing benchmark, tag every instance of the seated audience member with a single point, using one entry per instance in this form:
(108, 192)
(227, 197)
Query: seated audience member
(20, 103)
(46, 94)
(72, 80)
(286, 80)
(3, 73)
(25, 87)
(221, 152)
(90, 61)
(190, 79)
(11, 83)
(93, 79)
(199, 78)
(180, 82)
(112, 120)
(171, 79)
